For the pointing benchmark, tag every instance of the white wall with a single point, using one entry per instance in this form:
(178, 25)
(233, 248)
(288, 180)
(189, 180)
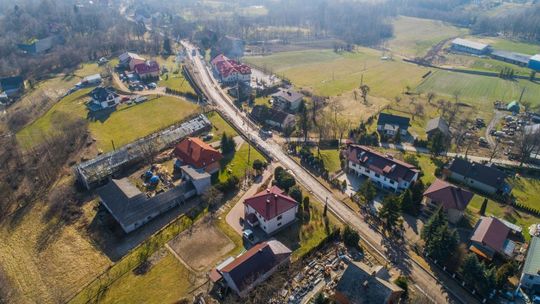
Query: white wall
(386, 182)
(274, 224)
(529, 280)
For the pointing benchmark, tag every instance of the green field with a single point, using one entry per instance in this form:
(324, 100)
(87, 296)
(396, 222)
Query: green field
(330, 158)
(124, 125)
(220, 126)
(166, 282)
(481, 90)
(483, 64)
(526, 191)
(329, 73)
(237, 163)
(413, 37)
(513, 46)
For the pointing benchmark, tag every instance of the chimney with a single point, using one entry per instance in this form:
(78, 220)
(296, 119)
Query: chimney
(365, 284)
(267, 190)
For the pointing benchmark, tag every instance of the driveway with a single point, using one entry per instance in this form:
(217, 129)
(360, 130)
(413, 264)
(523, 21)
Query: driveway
(354, 182)
(237, 212)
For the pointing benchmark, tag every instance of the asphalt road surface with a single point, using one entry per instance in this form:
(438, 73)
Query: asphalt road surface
(400, 259)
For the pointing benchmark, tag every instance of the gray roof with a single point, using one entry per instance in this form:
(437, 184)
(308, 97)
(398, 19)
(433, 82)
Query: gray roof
(438, 123)
(532, 262)
(129, 205)
(470, 44)
(360, 285)
(386, 118)
(264, 113)
(535, 58)
(485, 174)
(195, 174)
(288, 95)
(522, 58)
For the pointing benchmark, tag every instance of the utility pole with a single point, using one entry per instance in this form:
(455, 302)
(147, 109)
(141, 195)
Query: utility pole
(522, 92)
(113, 147)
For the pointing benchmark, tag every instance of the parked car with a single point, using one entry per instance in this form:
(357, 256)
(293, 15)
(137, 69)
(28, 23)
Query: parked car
(152, 86)
(249, 236)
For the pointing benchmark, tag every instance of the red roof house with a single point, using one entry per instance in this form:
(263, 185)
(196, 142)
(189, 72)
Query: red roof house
(147, 69)
(230, 70)
(254, 266)
(270, 209)
(451, 198)
(195, 152)
(491, 236)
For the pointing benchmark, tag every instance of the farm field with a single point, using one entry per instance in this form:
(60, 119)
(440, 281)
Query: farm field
(483, 64)
(46, 261)
(124, 125)
(413, 37)
(328, 73)
(479, 90)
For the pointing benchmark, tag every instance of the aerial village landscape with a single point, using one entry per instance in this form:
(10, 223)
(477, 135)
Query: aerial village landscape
(270, 151)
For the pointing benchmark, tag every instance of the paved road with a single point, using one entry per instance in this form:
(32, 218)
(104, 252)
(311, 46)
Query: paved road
(423, 278)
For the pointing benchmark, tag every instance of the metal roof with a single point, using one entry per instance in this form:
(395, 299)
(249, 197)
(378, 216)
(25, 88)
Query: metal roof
(535, 58)
(470, 44)
(519, 57)
(532, 262)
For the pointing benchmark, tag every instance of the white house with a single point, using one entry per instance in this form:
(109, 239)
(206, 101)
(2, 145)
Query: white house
(104, 97)
(385, 171)
(230, 71)
(270, 209)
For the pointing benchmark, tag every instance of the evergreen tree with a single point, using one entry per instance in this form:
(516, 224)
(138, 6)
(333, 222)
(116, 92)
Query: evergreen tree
(389, 211)
(503, 273)
(325, 210)
(471, 270)
(350, 237)
(442, 244)
(296, 193)
(437, 143)
(306, 204)
(483, 207)
(435, 221)
(167, 46)
(227, 144)
(407, 202)
(368, 191)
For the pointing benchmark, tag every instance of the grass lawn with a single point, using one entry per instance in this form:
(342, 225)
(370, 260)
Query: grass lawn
(503, 211)
(176, 82)
(510, 45)
(165, 282)
(526, 191)
(479, 90)
(414, 36)
(301, 237)
(330, 158)
(219, 126)
(124, 125)
(329, 73)
(237, 163)
(483, 64)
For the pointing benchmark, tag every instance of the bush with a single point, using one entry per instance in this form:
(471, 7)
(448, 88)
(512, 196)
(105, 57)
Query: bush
(295, 193)
(231, 184)
(403, 283)
(351, 238)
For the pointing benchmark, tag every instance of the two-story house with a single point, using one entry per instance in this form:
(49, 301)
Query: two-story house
(270, 209)
(198, 154)
(383, 169)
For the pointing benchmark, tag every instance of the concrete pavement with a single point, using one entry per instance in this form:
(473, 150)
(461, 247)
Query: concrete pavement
(423, 278)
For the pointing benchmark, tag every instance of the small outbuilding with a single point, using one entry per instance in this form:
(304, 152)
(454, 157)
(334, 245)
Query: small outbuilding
(513, 107)
(437, 125)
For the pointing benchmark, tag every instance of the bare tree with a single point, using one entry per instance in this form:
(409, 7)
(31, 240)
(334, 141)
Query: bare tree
(430, 97)
(527, 142)
(365, 90)
(397, 99)
(418, 110)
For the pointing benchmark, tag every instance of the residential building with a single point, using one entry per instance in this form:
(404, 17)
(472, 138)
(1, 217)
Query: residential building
(132, 208)
(485, 178)
(471, 47)
(361, 284)
(230, 71)
(530, 275)
(490, 236)
(390, 125)
(272, 117)
(437, 125)
(383, 169)
(198, 154)
(534, 63)
(146, 70)
(103, 98)
(200, 179)
(130, 60)
(511, 57)
(252, 267)
(452, 199)
(270, 209)
(287, 100)
(12, 86)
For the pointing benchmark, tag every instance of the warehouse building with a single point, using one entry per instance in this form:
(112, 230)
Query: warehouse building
(534, 62)
(471, 47)
(511, 57)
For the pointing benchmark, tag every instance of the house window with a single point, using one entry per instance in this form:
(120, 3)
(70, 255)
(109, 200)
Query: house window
(377, 175)
(279, 217)
(279, 224)
(392, 182)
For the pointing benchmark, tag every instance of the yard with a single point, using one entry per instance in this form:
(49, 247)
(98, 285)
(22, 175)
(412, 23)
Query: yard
(526, 191)
(413, 37)
(330, 158)
(479, 90)
(237, 163)
(174, 79)
(167, 281)
(328, 73)
(220, 126)
(122, 126)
